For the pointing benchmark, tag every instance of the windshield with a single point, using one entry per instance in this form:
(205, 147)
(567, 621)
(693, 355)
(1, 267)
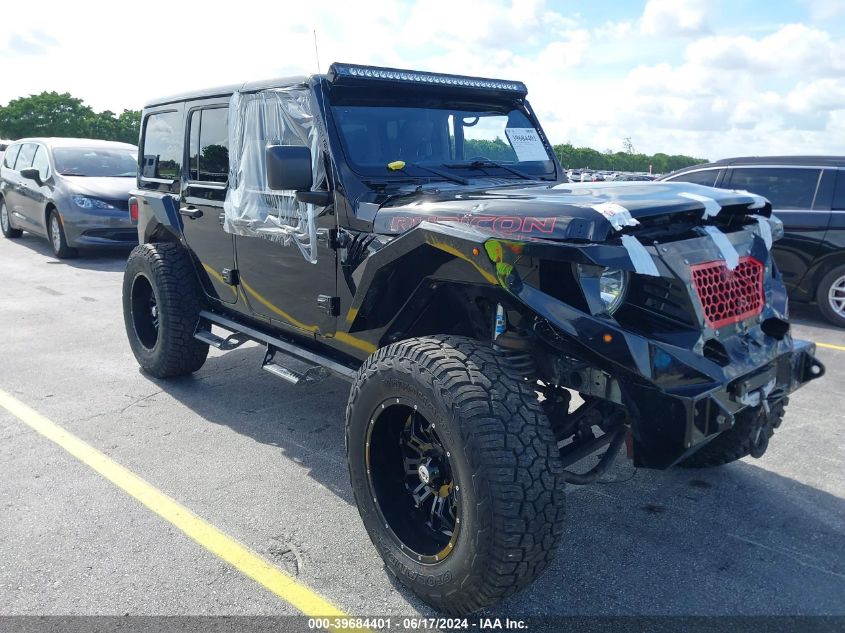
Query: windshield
(81, 161)
(467, 142)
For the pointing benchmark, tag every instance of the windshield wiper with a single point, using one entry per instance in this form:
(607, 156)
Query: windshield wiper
(436, 172)
(481, 164)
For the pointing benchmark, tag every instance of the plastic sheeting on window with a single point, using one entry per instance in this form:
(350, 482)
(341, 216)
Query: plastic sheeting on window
(281, 116)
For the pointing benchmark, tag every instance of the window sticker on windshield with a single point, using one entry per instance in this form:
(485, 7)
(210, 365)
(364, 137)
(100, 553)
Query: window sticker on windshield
(526, 143)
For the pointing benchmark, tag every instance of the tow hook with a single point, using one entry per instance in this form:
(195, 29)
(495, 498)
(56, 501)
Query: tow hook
(761, 438)
(765, 423)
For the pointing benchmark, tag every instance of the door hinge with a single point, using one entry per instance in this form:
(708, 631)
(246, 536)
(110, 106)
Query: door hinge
(231, 276)
(329, 305)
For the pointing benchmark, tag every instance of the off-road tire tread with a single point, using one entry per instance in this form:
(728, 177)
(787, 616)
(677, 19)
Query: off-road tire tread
(732, 444)
(512, 454)
(179, 298)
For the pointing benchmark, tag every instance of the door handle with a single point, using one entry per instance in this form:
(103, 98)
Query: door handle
(190, 212)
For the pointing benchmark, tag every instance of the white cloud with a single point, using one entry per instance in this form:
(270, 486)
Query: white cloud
(821, 95)
(674, 17)
(825, 9)
(793, 48)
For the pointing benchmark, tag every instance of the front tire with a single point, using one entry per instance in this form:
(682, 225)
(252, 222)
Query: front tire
(161, 306)
(455, 471)
(830, 296)
(6, 222)
(57, 237)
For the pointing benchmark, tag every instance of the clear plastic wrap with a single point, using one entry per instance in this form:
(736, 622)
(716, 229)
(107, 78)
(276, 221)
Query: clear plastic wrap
(280, 116)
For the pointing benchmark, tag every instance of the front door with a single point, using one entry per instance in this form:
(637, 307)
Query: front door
(201, 201)
(286, 261)
(279, 283)
(19, 200)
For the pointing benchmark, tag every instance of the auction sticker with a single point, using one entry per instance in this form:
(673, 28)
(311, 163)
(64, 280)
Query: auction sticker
(526, 143)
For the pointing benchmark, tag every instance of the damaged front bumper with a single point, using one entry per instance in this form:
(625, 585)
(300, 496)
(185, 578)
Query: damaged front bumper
(683, 376)
(674, 423)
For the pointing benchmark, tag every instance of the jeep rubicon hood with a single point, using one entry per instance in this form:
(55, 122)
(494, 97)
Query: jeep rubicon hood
(576, 211)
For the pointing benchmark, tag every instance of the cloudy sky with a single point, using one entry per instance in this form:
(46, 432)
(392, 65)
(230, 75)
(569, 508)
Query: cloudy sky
(710, 78)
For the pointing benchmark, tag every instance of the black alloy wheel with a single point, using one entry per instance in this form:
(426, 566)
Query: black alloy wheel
(144, 311)
(412, 481)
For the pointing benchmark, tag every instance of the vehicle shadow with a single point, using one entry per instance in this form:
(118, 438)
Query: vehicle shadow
(736, 540)
(306, 423)
(803, 314)
(104, 260)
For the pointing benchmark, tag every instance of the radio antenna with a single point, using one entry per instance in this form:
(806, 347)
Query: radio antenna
(317, 52)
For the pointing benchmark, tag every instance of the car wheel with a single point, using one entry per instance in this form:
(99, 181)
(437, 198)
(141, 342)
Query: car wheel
(830, 296)
(58, 240)
(455, 470)
(6, 222)
(161, 306)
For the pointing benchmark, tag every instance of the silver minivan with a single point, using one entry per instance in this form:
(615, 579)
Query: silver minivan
(74, 192)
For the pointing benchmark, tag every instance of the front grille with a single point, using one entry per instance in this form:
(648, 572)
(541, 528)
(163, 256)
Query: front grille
(729, 296)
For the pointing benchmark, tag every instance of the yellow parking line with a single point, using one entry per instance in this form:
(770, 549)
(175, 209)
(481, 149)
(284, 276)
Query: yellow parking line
(841, 348)
(236, 554)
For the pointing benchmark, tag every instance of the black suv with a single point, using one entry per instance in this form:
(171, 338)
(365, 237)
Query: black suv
(412, 233)
(808, 194)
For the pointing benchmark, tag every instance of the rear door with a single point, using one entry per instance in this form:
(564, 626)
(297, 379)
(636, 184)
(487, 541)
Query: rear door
(792, 192)
(203, 193)
(8, 176)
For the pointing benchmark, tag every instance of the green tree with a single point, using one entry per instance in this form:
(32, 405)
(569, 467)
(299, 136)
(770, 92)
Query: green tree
(586, 157)
(46, 114)
(54, 114)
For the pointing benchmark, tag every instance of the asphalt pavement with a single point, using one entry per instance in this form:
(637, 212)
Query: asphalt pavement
(264, 462)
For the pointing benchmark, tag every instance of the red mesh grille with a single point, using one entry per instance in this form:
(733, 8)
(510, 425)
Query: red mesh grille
(729, 296)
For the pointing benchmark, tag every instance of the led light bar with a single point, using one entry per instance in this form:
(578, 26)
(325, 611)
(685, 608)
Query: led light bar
(337, 71)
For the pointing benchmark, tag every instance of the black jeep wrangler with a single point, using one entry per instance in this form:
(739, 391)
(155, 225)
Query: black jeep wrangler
(414, 234)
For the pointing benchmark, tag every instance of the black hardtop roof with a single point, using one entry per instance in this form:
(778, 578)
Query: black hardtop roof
(222, 91)
(821, 161)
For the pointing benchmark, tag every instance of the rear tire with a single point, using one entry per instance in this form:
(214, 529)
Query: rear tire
(493, 459)
(830, 296)
(6, 222)
(57, 237)
(747, 437)
(161, 306)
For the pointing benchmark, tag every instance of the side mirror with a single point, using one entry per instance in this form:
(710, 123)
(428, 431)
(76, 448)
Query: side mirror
(31, 173)
(288, 168)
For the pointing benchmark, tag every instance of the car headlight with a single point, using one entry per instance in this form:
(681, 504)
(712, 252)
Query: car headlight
(608, 284)
(85, 202)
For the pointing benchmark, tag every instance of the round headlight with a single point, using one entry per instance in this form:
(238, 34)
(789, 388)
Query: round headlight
(612, 286)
